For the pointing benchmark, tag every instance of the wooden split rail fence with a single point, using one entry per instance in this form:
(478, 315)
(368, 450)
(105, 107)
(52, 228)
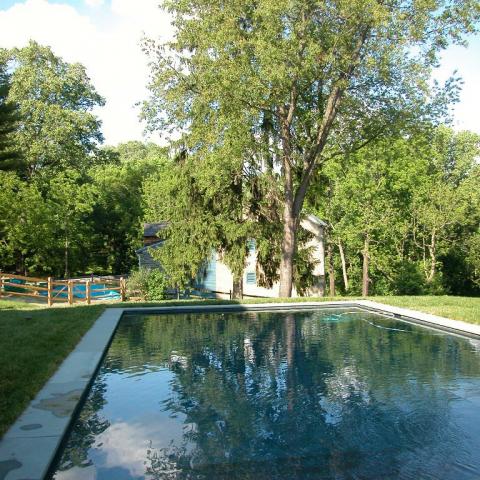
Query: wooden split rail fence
(62, 291)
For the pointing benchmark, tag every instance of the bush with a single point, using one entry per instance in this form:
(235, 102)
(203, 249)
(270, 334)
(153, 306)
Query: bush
(437, 285)
(156, 285)
(381, 285)
(137, 283)
(409, 279)
(147, 284)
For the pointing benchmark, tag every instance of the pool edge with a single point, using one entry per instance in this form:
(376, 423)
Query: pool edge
(30, 445)
(29, 453)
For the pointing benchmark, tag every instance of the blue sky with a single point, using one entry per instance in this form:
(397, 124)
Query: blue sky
(105, 36)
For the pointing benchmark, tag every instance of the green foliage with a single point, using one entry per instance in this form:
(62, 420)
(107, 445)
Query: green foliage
(137, 283)
(147, 284)
(204, 209)
(70, 201)
(157, 284)
(417, 200)
(473, 256)
(25, 226)
(54, 98)
(409, 279)
(9, 157)
(282, 86)
(411, 193)
(118, 209)
(71, 208)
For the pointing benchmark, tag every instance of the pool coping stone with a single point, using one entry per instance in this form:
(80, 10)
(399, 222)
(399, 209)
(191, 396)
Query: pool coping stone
(29, 447)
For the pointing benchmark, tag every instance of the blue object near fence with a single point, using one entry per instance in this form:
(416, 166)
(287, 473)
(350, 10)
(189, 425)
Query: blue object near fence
(97, 290)
(10, 288)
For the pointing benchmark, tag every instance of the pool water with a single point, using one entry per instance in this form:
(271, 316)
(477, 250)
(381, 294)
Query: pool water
(324, 394)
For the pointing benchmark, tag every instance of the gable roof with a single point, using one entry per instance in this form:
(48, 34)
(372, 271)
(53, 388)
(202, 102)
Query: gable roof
(151, 229)
(145, 249)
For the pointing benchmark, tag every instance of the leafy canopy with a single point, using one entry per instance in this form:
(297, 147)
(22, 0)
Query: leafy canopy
(55, 99)
(294, 84)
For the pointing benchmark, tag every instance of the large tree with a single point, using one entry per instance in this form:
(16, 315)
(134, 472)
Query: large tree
(55, 98)
(306, 80)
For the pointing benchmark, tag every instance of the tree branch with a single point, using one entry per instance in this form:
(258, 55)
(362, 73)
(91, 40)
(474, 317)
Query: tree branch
(327, 120)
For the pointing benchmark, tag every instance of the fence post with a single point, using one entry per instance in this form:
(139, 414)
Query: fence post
(123, 289)
(49, 291)
(70, 292)
(87, 292)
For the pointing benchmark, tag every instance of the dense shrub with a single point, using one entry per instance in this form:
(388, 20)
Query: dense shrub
(156, 285)
(147, 284)
(409, 279)
(437, 286)
(137, 283)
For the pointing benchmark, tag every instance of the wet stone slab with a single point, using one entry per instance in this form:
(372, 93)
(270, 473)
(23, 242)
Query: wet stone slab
(79, 365)
(26, 458)
(61, 405)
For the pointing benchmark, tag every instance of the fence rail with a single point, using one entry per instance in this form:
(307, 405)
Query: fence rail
(62, 291)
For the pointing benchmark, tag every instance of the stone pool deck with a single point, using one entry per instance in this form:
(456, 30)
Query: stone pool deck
(30, 445)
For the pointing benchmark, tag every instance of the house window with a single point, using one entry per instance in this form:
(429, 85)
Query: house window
(251, 278)
(251, 244)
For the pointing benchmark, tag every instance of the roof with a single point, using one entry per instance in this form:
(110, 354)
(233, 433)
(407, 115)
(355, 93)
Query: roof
(146, 247)
(314, 219)
(151, 229)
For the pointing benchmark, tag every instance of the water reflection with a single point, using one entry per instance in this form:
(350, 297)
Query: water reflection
(334, 394)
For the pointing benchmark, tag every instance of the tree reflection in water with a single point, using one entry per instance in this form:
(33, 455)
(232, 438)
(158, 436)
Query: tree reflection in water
(327, 394)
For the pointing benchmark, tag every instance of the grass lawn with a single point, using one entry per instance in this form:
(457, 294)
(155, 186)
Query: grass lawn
(34, 339)
(456, 308)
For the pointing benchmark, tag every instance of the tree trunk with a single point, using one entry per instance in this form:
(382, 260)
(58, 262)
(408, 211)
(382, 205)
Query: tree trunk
(66, 258)
(331, 271)
(289, 219)
(237, 287)
(288, 254)
(344, 265)
(433, 257)
(366, 259)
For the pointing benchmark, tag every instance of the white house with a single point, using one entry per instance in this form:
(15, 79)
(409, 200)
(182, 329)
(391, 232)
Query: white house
(218, 278)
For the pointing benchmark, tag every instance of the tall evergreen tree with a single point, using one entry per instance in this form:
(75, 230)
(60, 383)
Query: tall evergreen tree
(9, 157)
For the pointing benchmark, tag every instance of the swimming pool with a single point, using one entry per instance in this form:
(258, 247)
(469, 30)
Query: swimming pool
(330, 393)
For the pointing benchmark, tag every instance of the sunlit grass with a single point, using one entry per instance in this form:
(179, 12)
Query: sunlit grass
(466, 309)
(34, 340)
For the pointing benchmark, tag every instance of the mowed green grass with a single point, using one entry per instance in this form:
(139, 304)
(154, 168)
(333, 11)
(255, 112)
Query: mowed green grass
(466, 309)
(34, 339)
